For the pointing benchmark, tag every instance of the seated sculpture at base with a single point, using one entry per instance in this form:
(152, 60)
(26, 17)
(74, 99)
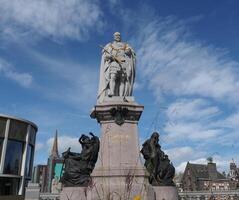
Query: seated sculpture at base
(161, 171)
(79, 166)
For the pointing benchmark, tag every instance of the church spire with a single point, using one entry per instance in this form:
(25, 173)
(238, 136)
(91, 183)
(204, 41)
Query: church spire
(54, 150)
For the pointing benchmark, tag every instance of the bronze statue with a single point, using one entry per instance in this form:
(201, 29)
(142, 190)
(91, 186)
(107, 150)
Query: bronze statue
(161, 171)
(79, 166)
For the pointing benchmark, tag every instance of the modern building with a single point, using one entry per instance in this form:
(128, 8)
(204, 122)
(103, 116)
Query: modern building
(17, 144)
(40, 176)
(44, 174)
(199, 177)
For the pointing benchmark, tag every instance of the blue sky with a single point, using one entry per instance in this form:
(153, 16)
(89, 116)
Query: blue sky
(187, 70)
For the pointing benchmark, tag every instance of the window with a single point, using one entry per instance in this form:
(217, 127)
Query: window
(9, 186)
(13, 158)
(1, 143)
(29, 161)
(32, 136)
(2, 126)
(18, 130)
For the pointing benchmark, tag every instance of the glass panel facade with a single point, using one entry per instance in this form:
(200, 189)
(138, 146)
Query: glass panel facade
(13, 158)
(29, 160)
(18, 130)
(9, 186)
(2, 126)
(1, 143)
(32, 136)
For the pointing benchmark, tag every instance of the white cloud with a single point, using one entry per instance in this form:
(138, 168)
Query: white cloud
(64, 142)
(223, 163)
(188, 119)
(179, 153)
(191, 109)
(39, 146)
(190, 131)
(22, 78)
(231, 121)
(175, 64)
(77, 83)
(57, 18)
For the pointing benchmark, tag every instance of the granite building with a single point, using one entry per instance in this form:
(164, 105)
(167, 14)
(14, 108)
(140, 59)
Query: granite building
(17, 144)
(199, 177)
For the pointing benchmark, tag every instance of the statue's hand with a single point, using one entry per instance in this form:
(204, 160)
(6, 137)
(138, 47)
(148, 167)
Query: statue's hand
(91, 134)
(66, 153)
(109, 57)
(128, 52)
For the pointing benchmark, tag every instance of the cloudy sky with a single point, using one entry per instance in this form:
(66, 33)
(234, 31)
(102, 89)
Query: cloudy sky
(187, 70)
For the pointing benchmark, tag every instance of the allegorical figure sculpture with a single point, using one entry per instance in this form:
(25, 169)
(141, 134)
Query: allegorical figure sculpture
(79, 166)
(117, 70)
(161, 171)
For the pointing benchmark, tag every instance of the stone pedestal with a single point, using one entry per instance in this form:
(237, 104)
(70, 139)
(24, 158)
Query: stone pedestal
(75, 193)
(165, 193)
(119, 172)
(32, 191)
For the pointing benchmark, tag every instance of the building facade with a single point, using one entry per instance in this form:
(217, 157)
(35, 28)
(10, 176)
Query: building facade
(44, 174)
(198, 177)
(17, 144)
(40, 176)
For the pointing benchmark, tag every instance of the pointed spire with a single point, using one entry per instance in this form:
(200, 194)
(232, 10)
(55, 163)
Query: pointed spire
(54, 150)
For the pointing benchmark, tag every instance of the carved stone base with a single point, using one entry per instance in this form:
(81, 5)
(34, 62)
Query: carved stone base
(119, 172)
(118, 184)
(112, 188)
(165, 193)
(119, 142)
(75, 193)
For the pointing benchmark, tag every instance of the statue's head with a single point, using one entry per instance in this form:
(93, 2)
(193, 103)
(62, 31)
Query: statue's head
(84, 138)
(155, 136)
(117, 37)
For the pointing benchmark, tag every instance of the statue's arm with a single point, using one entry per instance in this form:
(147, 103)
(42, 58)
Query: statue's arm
(129, 51)
(106, 52)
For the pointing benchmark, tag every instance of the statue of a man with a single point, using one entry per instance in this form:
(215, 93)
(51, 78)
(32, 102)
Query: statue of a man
(117, 70)
(161, 171)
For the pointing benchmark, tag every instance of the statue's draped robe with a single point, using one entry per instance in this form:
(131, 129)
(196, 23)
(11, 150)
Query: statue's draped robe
(130, 61)
(152, 154)
(161, 171)
(78, 166)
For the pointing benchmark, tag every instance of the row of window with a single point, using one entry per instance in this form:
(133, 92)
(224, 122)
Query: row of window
(17, 130)
(13, 158)
(15, 146)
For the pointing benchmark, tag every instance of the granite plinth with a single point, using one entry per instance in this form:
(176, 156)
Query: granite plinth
(32, 191)
(165, 193)
(119, 172)
(75, 193)
(118, 99)
(119, 146)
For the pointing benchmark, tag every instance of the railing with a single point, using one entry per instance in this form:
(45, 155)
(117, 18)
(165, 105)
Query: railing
(185, 195)
(49, 196)
(206, 195)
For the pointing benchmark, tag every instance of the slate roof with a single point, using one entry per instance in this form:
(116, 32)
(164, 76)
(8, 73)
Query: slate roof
(201, 171)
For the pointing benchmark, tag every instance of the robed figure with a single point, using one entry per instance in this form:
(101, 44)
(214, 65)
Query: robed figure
(79, 166)
(161, 171)
(117, 69)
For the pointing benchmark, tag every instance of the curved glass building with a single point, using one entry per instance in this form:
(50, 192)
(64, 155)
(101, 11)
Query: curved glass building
(17, 144)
